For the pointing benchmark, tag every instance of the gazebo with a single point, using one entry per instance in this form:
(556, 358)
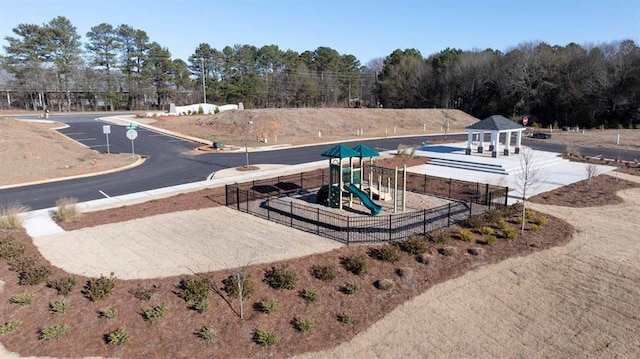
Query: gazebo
(495, 125)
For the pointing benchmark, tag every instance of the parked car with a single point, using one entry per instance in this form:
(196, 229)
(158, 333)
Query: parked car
(541, 135)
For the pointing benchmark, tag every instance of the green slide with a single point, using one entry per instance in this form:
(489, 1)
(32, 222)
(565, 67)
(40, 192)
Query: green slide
(366, 201)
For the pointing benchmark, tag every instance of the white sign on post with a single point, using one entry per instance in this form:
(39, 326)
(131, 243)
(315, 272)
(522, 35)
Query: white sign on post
(106, 129)
(132, 135)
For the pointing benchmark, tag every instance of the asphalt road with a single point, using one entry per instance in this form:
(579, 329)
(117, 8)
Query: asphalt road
(171, 161)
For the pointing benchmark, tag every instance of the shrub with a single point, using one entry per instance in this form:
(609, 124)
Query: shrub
(11, 248)
(529, 214)
(281, 278)
(10, 326)
(346, 318)
(493, 216)
(10, 216)
(440, 235)
(63, 285)
(425, 258)
(207, 333)
(519, 220)
(268, 306)
(231, 286)
(66, 209)
(476, 221)
(491, 240)
(486, 230)
(99, 288)
(356, 264)
(59, 306)
(302, 324)
(53, 332)
(309, 295)
(384, 284)
(447, 251)
(542, 221)
(510, 233)
(202, 305)
(154, 313)
(266, 338)
(117, 337)
(415, 245)
(108, 313)
(324, 273)
(144, 293)
(30, 271)
(351, 288)
(194, 290)
(388, 253)
(23, 299)
(534, 228)
(200, 110)
(502, 224)
(466, 235)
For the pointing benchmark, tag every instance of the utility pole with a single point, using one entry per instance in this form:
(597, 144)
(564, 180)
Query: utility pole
(204, 89)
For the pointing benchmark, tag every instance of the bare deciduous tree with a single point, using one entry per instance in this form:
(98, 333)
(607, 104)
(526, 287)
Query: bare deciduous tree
(591, 170)
(529, 177)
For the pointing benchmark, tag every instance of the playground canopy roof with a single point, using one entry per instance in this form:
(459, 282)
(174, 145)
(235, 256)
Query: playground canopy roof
(365, 151)
(495, 123)
(340, 151)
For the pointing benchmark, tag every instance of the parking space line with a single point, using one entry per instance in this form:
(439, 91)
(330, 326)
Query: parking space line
(85, 139)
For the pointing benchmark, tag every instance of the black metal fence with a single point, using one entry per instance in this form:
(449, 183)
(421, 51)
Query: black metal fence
(272, 199)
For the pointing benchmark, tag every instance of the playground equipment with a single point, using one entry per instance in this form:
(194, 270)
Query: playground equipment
(352, 180)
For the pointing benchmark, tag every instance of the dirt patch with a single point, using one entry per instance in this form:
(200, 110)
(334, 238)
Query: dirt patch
(35, 151)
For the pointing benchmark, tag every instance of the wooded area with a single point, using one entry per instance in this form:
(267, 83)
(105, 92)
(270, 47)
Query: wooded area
(120, 68)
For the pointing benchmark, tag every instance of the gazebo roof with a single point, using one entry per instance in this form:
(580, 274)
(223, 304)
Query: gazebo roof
(365, 151)
(496, 123)
(340, 151)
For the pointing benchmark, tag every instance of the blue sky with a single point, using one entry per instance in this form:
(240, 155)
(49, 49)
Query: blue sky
(365, 29)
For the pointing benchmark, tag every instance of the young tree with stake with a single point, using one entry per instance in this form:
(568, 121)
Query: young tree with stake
(529, 177)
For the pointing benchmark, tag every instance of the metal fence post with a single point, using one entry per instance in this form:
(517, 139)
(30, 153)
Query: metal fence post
(449, 188)
(470, 207)
(238, 198)
(226, 195)
(449, 216)
(318, 221)
(390, 228)
(487, 196)
(506, 196)
(424, 222)
(348, 229)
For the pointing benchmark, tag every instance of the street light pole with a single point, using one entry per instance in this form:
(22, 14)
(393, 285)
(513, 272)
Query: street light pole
(246, 146)
(204, 89)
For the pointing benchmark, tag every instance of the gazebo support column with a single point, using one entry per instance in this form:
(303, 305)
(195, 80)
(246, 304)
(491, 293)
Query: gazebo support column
(507, 143)
(518, 142)
(481, 144)
(467, 151)
(494, 143)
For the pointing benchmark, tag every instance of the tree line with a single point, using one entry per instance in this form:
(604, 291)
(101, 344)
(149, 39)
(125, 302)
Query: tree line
(120, 68)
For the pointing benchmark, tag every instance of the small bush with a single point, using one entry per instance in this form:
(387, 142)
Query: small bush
(384, 284)
(53, 332)
(542, 221)
(99, 288)
(510, 233)
(491, 240)
(34, 275)
(466, 235)
(486, 230)
(23, 299)
(309, 295)
(529, 214)
(415, 245)
(356, 264)
(201, 306)
(231, 286)
(351, 288)
(194, 290)
(346, 318)
(108, 313)
(154, 313)
(64, 285)
(11, 248)
(502, 224)
(388, 253)
(302, 324)
(519, 220)
(440, 235)
(66, 209)
(534, 228)
(425, 259)
(493, 216)
(144, 293)
(10, 216)
(117, 337)
(208, 333)
(324, 273)
(10, 326)
(476, 221)
(266, 338)
(281, 278)
(447, 251)
(268, 306)
(59, 306)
